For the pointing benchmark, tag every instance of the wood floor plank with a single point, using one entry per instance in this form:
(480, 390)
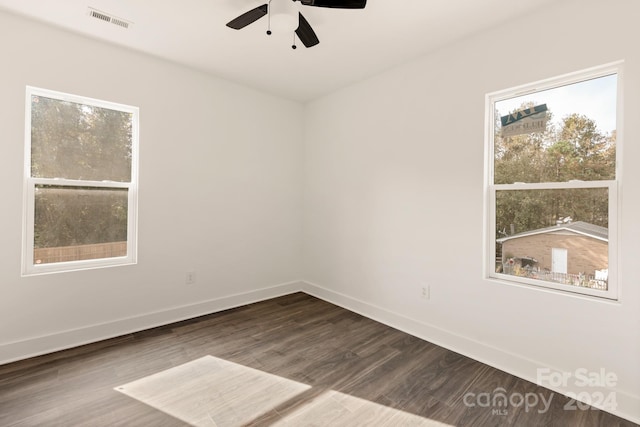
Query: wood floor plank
(354, 370)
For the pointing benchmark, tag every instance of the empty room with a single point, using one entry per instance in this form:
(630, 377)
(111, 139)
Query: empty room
(319, 213)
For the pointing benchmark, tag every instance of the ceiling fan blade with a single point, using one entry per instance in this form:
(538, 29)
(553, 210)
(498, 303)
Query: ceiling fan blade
(249, 17)
(305, 33)
(337, 4)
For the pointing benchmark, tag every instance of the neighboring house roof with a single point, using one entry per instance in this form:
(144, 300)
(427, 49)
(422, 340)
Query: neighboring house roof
(578, 227)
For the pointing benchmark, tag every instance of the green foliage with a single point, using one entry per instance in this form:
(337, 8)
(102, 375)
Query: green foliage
(70, 216)
(575, 151)
(77, 141)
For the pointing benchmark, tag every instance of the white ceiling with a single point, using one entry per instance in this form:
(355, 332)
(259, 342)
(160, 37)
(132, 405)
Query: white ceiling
(354, 44)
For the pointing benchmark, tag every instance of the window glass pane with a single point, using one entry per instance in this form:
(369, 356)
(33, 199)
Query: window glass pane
(77, 223)
(557, 135)
(559, 236)
(78, 141)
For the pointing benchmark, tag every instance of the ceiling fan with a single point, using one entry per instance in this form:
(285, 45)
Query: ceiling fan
(285, 16)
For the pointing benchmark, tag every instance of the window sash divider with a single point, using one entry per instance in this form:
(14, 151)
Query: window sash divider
(78, 183)
(554, 185)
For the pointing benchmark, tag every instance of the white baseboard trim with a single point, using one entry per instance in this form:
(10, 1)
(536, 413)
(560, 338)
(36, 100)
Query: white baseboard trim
(14, 351)
(628, 405)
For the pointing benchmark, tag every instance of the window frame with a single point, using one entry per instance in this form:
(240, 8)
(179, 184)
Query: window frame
(613, 186)
(29, 268)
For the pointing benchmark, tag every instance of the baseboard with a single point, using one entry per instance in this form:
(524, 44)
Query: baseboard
(14, 351)
(628, 405)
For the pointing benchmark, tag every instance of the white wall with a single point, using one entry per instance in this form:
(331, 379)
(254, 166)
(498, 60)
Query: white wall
(219, 193)
(394, 199)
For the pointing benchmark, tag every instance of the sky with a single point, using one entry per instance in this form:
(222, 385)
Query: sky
(594, 98)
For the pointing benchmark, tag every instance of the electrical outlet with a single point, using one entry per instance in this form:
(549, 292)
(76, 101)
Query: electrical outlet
(190, 278)
(425, 292)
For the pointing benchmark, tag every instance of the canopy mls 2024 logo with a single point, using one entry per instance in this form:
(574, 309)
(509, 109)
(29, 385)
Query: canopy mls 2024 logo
(528, 120)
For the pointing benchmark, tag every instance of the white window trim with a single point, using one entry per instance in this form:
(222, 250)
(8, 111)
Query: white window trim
(29, 268)
(613, 186)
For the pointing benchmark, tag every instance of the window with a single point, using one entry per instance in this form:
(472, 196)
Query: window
(552, 183)
(80, 183)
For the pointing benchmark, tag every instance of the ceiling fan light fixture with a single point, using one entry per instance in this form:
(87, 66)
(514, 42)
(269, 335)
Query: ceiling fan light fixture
(283, 16)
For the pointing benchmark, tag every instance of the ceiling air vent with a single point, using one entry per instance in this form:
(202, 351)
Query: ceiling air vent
(123, 24)
(94, 13)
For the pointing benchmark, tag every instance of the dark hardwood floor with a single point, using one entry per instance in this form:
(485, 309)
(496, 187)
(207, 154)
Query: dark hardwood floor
(296, 337)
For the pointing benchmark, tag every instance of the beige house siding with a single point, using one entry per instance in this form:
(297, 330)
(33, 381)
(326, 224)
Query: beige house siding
(584, 254)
